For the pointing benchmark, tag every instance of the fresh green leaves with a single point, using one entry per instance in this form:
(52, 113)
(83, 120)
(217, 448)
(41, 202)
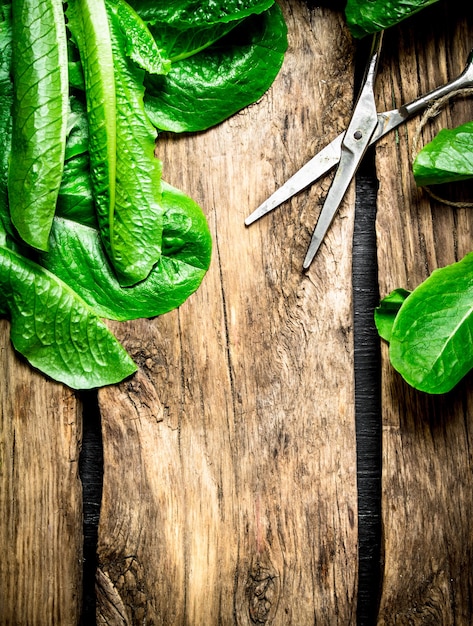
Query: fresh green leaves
(385, 314)
(77, 257)
(54, 328)
(431, 336)
(39, 69)
(220, 80)
(369, 16)
(125, 173)
(113, 240)
(194, 13)
(447, 158)
(51, 326)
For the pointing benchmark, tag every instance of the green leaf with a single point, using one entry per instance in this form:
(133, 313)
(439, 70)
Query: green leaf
(447, 158)
(138, 221)
(431, 342)
(386, 312)
(75, 200)
(5, 42)
(76, 256)
(77, 142)
(55, 330)
(139, 43)
(6, 97)
(180, 44)
(125, 173)
(88, 23)
(40, 107)
(195, 13)
(368, 16)
(207, 88)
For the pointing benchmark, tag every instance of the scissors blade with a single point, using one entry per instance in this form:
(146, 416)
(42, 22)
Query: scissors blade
(329, 157)
(348, 165)
(318, 165)
(354, 145)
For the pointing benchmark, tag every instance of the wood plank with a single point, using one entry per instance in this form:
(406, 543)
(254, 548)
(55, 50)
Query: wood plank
(230, 467)
(427, 479)
(40, 496)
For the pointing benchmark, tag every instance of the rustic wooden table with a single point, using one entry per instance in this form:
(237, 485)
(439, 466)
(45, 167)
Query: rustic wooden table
(266, 465)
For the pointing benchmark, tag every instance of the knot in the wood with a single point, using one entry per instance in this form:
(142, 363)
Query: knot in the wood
(261, 590)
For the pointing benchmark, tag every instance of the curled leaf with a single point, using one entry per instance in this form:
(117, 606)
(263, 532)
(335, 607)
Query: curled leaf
(386, 312)
(194, 13)
(369, 16)
(77, 257)
(55, 330)
(220, 80)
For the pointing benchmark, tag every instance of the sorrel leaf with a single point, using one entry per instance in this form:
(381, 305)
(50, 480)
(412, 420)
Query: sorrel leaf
(180, 44)
(137, 224)
(194, 13)
(75, 199)
(385, 313)
(76, 256)
(6, 97)
(368, 16)
(447, 158)
(139, 45)
(125, 174)
(39, 69)
(220, 80)
(432, 334)
(88, 23)
(55, 330)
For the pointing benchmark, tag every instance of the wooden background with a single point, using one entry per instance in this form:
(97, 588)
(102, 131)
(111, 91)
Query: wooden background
(230, 490)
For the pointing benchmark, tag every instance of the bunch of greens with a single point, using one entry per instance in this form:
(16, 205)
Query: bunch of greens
(88, 227)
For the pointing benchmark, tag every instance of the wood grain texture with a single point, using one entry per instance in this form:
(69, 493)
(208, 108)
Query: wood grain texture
(427, 457)
(230, 468)
(230, 491)
(40, 497)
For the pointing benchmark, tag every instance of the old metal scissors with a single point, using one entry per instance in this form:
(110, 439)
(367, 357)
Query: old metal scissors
(347, 150)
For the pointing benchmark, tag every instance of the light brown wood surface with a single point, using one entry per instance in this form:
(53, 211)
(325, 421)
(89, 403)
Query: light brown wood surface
(230, 491)
(40, 497)
(230, 478)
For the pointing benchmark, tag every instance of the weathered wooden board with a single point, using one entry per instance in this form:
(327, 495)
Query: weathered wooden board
(427, 460)
(40, 497)
(230, 478)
